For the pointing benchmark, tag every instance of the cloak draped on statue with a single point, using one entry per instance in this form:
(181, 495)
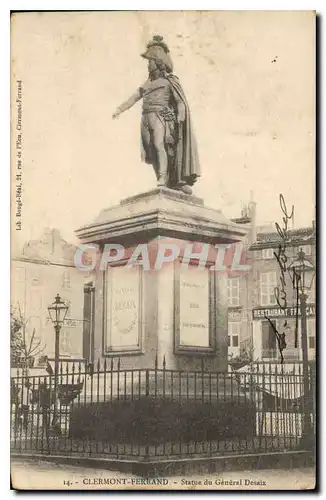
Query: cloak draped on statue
(184, 168)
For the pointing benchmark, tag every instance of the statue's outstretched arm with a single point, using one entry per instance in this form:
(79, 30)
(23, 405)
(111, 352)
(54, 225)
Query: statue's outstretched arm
(128, 103)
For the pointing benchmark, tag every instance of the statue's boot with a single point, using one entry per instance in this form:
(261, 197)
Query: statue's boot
(162, 178)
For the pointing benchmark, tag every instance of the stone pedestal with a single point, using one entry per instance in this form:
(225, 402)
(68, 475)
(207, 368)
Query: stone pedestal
(172, 313)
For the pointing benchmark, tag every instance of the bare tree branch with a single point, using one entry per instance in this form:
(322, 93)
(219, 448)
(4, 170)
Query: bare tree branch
(25, 347)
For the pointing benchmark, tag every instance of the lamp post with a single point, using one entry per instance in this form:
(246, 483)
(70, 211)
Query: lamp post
(300, 266)
(57, 311)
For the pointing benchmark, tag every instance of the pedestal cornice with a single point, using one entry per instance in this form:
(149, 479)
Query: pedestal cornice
(161, 212)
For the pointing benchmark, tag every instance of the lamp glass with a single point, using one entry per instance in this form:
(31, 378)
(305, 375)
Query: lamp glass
(302, 266)
(58, 311)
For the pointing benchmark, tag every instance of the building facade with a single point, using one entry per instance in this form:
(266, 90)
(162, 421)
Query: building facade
(44, 268)
(254, 313)
(267, 315)
(240, 290)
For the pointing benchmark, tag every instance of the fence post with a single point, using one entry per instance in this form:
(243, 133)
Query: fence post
(313, 394)
(118, 379)
(164, 367)
(147, 446)
(111, 380)
(104, 380)
(156, 364)
(147, 382)
(202, 380)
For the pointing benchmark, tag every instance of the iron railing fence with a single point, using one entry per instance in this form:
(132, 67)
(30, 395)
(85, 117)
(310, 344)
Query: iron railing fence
(105, 411)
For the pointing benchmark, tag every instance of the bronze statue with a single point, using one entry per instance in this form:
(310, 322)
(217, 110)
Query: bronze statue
(167, 139)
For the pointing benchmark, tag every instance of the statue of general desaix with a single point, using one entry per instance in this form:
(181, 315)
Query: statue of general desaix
(167, 139)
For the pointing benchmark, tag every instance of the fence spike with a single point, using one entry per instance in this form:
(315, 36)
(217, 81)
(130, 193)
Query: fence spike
(111, 364)
(118, 364)
(164, 362)
(104, 366)
(98, 365)
(156, 361)
(202, 364)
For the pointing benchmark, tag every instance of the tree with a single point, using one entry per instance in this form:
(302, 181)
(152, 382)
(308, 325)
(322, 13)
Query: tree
(16, 338)
(23, 348)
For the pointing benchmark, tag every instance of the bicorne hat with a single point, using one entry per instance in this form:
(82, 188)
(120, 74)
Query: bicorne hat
(159, 52)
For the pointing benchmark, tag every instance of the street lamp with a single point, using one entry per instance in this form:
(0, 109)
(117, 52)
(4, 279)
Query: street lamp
(300, 266)
(57, 312)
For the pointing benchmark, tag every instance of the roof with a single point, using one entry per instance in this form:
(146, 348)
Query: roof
(295, 236)
(50, 248)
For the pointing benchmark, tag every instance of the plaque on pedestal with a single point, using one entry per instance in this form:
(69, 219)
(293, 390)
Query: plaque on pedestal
(194, 309)
(123, 311)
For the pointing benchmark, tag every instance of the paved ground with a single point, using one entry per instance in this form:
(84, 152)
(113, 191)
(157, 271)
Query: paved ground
(48, 475)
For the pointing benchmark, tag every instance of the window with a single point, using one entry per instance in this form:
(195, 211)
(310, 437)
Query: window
(234, 334)
(291, 328)
(311, 333)
(234, 292)
(311, 327)
(36, 277)
(310, 280)
(269, 350)
(267, 286)
(267, 253)
(65, 342)
(292, 332)
(235, 340)
(66, 279)
(35, 301)
(68, 304)
(311, 342)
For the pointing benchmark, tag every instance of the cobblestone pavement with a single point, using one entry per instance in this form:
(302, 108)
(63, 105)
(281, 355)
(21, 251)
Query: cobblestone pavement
(28, 474)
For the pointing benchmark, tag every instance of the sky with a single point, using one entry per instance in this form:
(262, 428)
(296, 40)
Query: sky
(249, 78)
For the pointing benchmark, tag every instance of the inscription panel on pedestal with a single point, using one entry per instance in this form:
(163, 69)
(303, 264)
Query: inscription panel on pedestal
(194, 300)
(123, 311)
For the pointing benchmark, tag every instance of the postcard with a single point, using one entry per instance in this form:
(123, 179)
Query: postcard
(163, 258)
